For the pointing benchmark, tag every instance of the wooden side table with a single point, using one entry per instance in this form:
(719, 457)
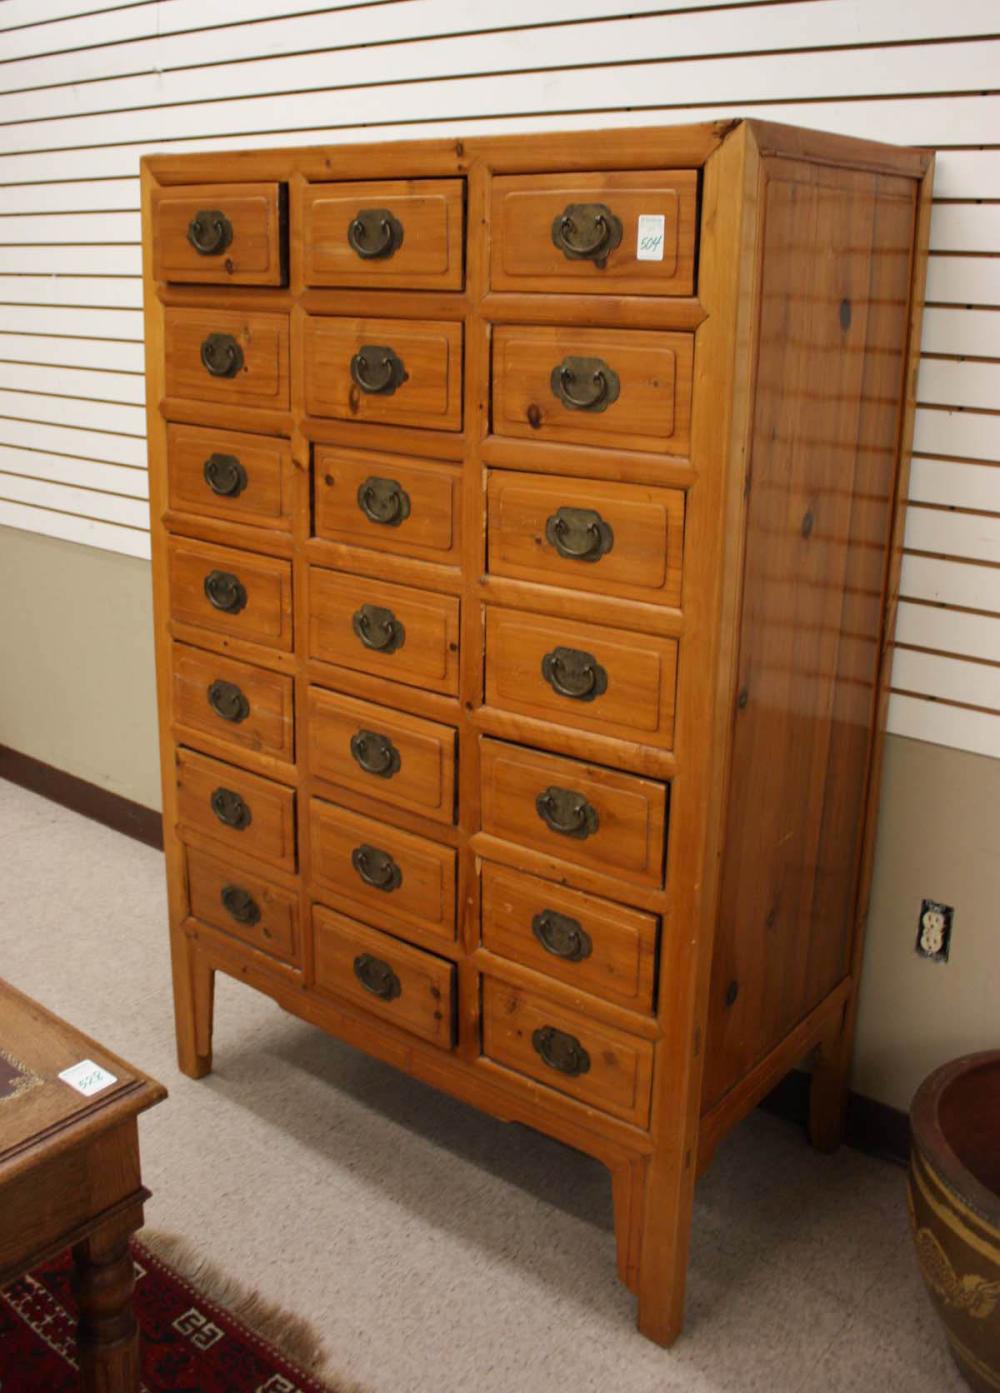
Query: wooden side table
(69, 1175)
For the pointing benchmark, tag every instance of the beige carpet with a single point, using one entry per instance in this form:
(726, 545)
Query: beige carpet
(436, 1250)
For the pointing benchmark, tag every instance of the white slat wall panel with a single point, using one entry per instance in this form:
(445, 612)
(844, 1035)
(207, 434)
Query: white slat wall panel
(88, 86)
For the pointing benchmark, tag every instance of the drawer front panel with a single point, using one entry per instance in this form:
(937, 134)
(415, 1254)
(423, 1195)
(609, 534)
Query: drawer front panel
(390, 755)
(402, 372)
(231, 592)
(380, 873)
(610, 822)
(582, 232)
(225, 474)
(617, 539)
(411, 989)
(232, 701)
(592, 678)
(562, 1048)
(586, 942)
(388, 503)
(629, 389)
(219, 234)
(393, 631)
(405, 234)
(228, 357)
(244, 811)
(243, 904)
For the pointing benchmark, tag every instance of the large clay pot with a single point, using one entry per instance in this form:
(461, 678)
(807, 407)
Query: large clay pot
(955, 1208)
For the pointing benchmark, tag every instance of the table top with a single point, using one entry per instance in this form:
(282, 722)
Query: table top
(57, 1085)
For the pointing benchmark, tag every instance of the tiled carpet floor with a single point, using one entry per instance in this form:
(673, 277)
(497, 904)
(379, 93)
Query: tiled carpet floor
(437, 1250)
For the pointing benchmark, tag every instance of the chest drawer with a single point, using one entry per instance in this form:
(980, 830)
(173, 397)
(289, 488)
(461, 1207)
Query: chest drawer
(220, 234)
(404, 234)
(390, 755)
(244, 705)
(376, 871)
(586, 942)
(227, 356)
(562, 1048)
(244, 905)
(592, 678)
(624, 232)
(617, 539)
(393, 631)
(388, 503)
(231, 592)
(224, 474)
(251, 814)
(626, 388)
(409, 988)
(402, 372)
(610, 822)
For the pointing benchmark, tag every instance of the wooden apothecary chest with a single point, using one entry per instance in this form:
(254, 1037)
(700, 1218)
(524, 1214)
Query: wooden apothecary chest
(526, 521)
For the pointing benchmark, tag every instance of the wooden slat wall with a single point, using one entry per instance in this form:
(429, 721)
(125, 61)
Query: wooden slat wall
(87, 87)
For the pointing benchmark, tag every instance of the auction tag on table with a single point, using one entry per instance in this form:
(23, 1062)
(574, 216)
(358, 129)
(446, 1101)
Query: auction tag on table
(87, 1077)
(649, 237)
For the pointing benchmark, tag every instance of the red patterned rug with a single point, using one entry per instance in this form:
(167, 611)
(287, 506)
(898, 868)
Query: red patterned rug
(189, 1343)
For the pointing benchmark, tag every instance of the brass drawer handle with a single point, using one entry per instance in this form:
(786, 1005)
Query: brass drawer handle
(228, 701)
(377, 370)
(231, 809)
(375, 754)
(378, 628)
(374, 234)
(574, 673)
(585, 384)
(225, 591)
(562, 936)
(377, 977)
(579, 534)
(210, 232)
(587, 232)
(225, 475)
(560, 1050)
(376, 868)
(567, 812)
(221, 355)
(240, 905)
(384, 501)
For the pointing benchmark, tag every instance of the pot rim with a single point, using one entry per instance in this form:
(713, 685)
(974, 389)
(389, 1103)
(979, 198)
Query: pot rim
(931, 1141)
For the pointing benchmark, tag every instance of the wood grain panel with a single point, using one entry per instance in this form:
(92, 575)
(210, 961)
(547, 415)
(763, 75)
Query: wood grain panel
(266, 616)
(651, 412)
(269, 829)
(264, 721)
(616, 959)
(262, 496)
(419, 900)
(262, 379)
(253, 910)
(254, 251)
(628, 838)
(619, 1069)
(526, 210)
(420, 1000)
(420, 773)
(428, 252)
(633, 675)
(632, 546)
(354, 493)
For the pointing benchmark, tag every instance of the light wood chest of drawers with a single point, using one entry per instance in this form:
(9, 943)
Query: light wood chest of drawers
(526, 521)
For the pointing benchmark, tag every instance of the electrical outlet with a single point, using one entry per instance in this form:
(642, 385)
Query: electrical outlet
(934, 931)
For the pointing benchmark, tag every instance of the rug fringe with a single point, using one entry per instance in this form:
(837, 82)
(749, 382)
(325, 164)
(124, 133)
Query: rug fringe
(290, 1334)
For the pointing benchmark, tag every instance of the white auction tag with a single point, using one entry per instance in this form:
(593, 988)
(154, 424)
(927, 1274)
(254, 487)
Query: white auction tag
(649, 237)
(87, 1077)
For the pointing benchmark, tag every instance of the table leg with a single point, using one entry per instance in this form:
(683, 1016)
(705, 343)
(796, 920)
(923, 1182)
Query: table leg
(107, 1335)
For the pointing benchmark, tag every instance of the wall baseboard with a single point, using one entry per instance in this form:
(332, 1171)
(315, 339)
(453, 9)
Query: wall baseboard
(873, 1127)
(121, 814)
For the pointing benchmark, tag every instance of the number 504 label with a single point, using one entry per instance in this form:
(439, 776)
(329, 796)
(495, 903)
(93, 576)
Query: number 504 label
(649, 237)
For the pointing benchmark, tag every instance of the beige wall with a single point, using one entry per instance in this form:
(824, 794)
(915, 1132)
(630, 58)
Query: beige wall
(77, 691)
(77, 685)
